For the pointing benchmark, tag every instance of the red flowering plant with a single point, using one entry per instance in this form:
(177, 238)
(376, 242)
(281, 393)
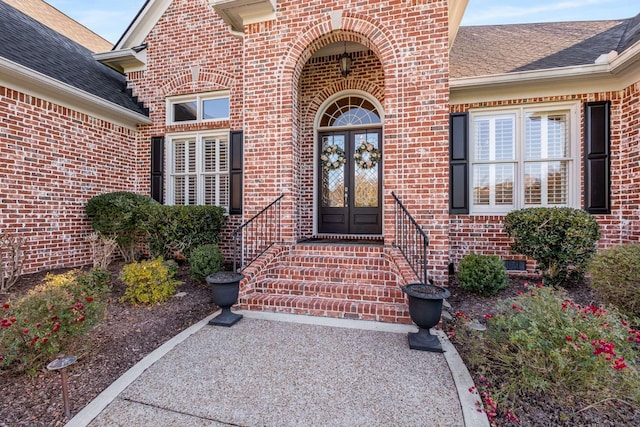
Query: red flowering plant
(543, 342)
(41, 324)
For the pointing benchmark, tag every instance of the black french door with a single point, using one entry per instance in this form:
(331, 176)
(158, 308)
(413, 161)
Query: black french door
(350, 182)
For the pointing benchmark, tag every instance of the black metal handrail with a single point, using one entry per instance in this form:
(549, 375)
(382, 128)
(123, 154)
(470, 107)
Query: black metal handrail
(411, 239)
(260, 233)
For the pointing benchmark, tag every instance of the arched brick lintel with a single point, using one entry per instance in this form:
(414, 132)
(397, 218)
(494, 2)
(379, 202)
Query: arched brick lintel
(354, 28)
(193, 81)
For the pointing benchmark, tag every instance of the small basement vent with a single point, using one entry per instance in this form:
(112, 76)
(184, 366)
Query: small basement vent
(515, 265)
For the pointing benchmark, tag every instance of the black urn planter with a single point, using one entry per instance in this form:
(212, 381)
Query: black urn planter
(224, 293)
(425, 309)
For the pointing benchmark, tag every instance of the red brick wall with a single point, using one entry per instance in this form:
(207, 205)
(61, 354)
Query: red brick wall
(410, 43)
(269, 94)
(52, 160)
(628, 175)
(485, 234)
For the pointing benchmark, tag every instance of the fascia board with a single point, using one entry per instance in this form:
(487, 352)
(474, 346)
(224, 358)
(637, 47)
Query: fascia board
(140, 28)
(238, 13)
(613, 76)
(30, 82)
(123, 61)
(456, 13)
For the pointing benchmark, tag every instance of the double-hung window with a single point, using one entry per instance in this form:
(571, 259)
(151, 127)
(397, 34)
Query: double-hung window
(198, 169)
(524, 157)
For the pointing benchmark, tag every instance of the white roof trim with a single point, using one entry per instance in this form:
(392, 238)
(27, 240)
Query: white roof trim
(456, 12)
(142, 24)
(615, 74)
(26, 80)
(124, 60)
(238, 13)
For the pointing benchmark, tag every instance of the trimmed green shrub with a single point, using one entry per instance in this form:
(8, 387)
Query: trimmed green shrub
(561, 240)
(482, 274)
(615, 276)
(176, 230)
(122, 215)
(149, 281)
(541, 342)
(51, 316)
(205, 260)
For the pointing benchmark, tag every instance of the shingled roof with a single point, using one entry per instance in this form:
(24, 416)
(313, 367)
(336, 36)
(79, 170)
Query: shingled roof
(499, 49)
(51, 17)
(27, 42)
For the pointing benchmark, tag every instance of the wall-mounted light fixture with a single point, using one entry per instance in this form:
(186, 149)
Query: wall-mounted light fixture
(345, 62)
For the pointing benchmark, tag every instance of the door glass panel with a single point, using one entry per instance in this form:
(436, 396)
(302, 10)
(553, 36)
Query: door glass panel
(332, 161)
(367, 157)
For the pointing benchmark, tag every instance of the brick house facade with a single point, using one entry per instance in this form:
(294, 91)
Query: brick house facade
(268, 73)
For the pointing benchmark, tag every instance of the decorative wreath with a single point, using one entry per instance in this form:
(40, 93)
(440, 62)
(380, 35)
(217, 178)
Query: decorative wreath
(367, 156)
(333, 157)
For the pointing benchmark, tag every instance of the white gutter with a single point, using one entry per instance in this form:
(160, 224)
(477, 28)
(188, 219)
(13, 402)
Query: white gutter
(610, 72)
(582, 71)
(235, 33)
(14, 75)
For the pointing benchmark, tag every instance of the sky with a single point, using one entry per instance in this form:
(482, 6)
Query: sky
(110, 18)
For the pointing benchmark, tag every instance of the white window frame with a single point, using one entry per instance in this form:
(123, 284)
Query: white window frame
(200, 174)
(519, 112)
(199, 99)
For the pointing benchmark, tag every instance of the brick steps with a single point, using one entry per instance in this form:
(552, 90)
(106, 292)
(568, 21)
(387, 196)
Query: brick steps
(332, 280)
(333, 275)
(340, 291)
(325, 307)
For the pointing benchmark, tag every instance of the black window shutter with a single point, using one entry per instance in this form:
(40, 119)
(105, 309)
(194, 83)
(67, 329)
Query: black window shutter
(235, 173)
(597, 157)
(459, 163)
(157, 168)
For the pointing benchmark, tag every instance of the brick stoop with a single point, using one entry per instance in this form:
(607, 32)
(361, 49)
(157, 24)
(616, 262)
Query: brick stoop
(344, 280)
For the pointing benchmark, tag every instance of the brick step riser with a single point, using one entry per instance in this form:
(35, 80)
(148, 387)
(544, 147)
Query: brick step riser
(347, 250)
(328, 308)
(343, 276)
(311, 261)
(346, 293)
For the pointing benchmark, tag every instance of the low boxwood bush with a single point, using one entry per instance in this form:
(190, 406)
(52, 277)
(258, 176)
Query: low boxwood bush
(615, 276)
(541, 342)
(205, 260)
(482, 274)
(38, 326)
(122, 215)
(176, 230)
(149, 281)
(561, 240)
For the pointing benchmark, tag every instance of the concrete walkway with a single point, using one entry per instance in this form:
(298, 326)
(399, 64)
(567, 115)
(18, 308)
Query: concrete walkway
(287, 370)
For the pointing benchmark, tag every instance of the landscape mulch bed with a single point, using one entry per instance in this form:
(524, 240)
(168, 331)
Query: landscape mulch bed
(537, 409)
(125, 335)
(128, 333)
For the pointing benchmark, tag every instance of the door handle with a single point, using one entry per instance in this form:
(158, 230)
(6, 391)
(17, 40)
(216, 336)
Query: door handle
(346, 197)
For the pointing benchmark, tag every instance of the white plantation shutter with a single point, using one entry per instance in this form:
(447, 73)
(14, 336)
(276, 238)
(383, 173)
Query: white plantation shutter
(546, 155)
(493, 163)
(200, 169)
(523, 156)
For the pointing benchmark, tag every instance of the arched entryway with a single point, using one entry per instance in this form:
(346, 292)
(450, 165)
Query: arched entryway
(349, 165)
